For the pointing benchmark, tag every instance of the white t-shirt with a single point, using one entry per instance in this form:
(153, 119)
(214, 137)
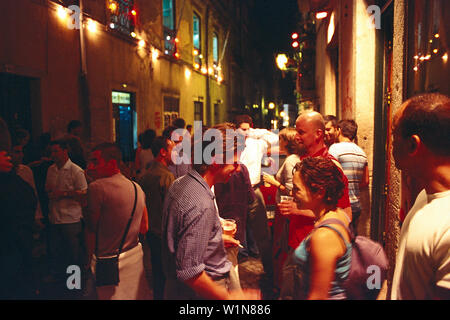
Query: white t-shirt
(69, 178)
(423, 257)
(256, 146)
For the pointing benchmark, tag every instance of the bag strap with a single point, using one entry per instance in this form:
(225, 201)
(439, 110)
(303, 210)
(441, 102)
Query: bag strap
(126, 229)
(339, 222)
(130, 220)
(336, 230)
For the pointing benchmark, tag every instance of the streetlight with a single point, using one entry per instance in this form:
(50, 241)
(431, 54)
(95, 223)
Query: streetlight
(271, 106)
(282, 61)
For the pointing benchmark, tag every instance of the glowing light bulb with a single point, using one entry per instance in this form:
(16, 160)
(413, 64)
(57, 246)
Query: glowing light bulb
(133, 34)
(91, 26)
(187, 73)
(113, 6)
(196, 66)
(445, 57)
(141, 43)
(62, 13)
(321, 15)
(195, 52)
(155, 54)
(133, 12)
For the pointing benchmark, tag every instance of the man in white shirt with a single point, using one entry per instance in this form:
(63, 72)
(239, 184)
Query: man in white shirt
(421, 148)
(66, 187)
(258, 142)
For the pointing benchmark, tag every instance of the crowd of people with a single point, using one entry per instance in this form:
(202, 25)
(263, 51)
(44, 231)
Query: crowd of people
(97, 212)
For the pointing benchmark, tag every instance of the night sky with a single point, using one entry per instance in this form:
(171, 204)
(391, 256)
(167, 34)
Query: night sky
(276, 20)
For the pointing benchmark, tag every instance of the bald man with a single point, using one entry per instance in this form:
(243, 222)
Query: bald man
(310, 128)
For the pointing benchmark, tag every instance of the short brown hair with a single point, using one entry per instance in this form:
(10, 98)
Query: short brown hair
(289, 135)
(231, 145)
(349, 128)
(428, 116)
(242, 118)
(319, 173)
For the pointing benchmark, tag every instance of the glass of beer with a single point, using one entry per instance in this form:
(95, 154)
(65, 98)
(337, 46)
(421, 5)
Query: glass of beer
(229, 226)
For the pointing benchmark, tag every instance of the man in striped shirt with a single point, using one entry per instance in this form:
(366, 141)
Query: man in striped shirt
(354, 163)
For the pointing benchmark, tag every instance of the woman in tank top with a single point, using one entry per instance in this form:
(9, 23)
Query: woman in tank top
(322, 260)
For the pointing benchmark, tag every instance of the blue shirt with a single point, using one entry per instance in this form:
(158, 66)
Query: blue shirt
(191, 231)
(342, 270)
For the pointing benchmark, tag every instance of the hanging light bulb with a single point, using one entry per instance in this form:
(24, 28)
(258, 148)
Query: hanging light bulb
(62, 13)
(91, 26)
(112, 6)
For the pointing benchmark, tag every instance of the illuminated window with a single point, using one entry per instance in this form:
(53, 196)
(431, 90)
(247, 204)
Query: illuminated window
(196, 30)
(215, 43)
(169, 27)
(168, 14)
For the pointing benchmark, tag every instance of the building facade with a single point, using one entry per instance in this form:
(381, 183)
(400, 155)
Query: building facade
(123, 66)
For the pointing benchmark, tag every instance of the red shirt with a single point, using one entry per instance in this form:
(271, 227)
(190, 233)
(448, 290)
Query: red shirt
(301, 226)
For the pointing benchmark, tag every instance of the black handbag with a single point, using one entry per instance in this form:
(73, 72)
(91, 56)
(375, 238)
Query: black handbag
(107, 268)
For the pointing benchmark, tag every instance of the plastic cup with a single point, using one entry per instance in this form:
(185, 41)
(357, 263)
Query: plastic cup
(229, 226)
(286, 198)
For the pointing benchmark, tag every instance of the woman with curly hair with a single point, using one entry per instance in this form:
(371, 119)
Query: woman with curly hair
(322, 260)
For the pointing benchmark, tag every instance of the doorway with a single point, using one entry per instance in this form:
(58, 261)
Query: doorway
(15, 101)
(125, 119)
(382, 143)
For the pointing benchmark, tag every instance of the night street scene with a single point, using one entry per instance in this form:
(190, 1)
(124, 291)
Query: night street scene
(198, 150)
